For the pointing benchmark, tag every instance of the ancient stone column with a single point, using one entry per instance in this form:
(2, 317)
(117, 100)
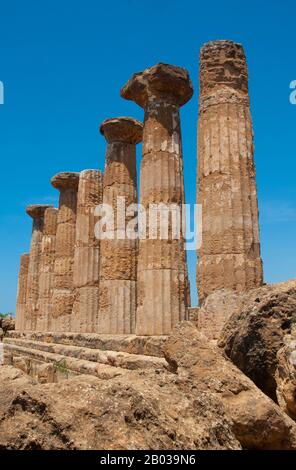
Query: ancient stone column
(162, 285)
(229, 256)
(63, 291)
(87, 253)
(22, 292)
(46, 279)
(118, 268)
(37, 214)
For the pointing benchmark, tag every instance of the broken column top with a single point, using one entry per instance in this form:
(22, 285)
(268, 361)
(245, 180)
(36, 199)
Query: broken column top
(25, 259)
(37, 210)
(65, 180)
(122, 129)
(223, 63)
(162, 81)
(90, 174)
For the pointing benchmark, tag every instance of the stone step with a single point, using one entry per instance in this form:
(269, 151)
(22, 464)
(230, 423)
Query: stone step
(111, 358)
(132, 344)
(47, 367)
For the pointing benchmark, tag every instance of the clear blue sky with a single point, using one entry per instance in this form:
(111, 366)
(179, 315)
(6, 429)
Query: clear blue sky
(63, 64)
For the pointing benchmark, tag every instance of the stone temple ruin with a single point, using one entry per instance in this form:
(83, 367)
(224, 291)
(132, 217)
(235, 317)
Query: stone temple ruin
(90, 305)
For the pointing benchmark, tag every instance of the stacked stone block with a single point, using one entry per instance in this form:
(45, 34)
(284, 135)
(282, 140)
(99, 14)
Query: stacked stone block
(37, 214)
(162, 282)
(46, 270)
(87, 254)
(229, 256)
(63, 289)
(22, 292)
(118, 270)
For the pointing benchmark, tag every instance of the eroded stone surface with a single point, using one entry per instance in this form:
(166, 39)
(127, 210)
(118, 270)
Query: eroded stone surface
(285, 374)
(255, 331)
(130, 411)
(143, 345)
(258, 422)
(229, 256)
(161, 80)
(216, 310)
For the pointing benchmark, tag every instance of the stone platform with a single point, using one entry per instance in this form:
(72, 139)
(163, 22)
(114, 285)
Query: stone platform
(52, 357)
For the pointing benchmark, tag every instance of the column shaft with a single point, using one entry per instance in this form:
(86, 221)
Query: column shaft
(118, 269)
(87, 254)
(46, 280)
(230, 253)
(22, 292)
(37, 213)
(161, 268)
(63, 290)
(162, 272)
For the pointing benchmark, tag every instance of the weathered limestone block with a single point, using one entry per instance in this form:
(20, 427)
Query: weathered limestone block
(285, 375)
(162, 273)
(216, 310)
(256, 330)
(37, 214)
(118, 263)
(229, 256)
(87, 253)
(46, 280)
(63, 289)
(46, 374)
(22, 292)
(22, 363)
(132, 344)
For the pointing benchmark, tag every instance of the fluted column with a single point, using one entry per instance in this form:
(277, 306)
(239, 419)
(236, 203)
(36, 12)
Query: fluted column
(229, 256)
(118, 269)
(63, 291)
(87, 253)
(22, 292)
(162, 286)
(37, 214)
(46, 279)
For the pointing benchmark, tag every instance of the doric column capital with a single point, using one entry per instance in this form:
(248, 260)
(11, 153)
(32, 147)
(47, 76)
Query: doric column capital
(37, 210)
(122, 129)
(162, 82)
(65, 180)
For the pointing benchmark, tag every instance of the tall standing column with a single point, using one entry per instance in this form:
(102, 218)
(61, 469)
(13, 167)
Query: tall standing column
(37, 214)
(87, 254)
(22, 292)
(118, 269)
(230, 253)
(46, 270)
(161, 91)
(63, 291)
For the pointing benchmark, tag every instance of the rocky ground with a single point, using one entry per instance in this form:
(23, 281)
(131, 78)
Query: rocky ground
(239, 394)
